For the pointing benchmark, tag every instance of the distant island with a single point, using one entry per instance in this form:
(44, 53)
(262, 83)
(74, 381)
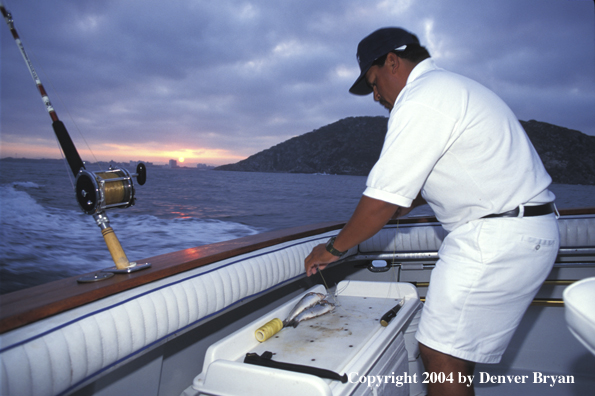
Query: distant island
(352, 145)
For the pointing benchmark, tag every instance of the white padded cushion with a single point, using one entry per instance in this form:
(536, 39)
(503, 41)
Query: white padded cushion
(56, 355)
(405, 238)
(577, 232)
(579, 303)
(574, 232)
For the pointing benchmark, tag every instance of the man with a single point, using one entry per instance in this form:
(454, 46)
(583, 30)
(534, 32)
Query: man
(454, 144)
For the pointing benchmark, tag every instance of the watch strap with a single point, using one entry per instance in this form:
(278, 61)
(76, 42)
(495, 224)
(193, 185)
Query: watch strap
(331, 248)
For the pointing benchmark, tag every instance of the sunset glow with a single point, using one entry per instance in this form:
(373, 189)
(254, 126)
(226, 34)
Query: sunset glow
(123, 153)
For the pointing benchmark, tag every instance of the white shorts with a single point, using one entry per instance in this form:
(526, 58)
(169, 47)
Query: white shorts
(488, 273)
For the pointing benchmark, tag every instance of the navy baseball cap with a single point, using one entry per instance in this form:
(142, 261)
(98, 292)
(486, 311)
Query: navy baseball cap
(378, 44)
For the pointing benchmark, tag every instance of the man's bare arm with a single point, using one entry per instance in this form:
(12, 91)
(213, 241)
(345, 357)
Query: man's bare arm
(369, 217)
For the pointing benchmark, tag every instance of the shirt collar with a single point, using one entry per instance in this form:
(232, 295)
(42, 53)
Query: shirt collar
(427, 65)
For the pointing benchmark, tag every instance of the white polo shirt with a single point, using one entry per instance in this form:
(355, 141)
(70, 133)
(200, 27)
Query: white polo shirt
(461, 145)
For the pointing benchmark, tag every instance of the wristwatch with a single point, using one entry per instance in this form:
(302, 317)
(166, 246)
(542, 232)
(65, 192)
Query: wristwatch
(331, 249)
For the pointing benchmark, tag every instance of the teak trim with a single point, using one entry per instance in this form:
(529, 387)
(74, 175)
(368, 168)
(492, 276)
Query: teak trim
(29, 305)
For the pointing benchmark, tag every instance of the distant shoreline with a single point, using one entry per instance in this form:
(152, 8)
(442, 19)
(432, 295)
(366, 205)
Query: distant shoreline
(113, 163)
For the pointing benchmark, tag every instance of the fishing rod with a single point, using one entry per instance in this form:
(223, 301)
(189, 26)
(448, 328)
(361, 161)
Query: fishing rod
(95, 191)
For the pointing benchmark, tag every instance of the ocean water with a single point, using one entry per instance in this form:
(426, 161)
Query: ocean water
(44, 235)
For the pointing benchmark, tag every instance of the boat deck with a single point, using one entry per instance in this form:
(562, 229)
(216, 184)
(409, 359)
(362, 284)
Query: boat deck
(542, 346)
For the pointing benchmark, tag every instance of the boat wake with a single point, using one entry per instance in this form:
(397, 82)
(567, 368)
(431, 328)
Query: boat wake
(41, 243)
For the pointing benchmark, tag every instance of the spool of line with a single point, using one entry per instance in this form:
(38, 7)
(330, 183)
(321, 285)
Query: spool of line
(268, 330)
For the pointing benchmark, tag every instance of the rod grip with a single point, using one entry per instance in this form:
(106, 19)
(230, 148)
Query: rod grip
(115, 249)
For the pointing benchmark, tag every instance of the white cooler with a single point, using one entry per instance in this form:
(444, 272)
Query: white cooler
(350, 340)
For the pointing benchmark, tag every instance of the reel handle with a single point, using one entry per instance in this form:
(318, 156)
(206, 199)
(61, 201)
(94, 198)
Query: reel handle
(141, 174)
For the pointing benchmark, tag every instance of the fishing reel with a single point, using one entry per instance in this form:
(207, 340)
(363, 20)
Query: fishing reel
(98, 191)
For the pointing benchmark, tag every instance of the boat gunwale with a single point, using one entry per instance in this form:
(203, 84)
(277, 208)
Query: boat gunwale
(29, 305)
(32, 304)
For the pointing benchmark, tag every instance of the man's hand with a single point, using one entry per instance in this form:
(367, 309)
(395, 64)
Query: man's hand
(369, 217)
(318, 259)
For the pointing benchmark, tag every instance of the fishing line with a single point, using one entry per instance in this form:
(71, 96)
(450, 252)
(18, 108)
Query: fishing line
(323, 280)
(337, 292)
(393, 270)
(327, 288)
(80, 133)
(57, 93)
(65, 162)
(334, 296)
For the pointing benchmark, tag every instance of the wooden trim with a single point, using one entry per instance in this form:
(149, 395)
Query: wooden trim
(577, 211)
(29, 305)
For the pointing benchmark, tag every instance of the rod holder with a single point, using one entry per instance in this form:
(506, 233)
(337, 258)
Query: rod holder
(123, 266)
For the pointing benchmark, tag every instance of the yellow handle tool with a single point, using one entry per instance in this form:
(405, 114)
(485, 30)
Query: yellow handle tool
(268, 330)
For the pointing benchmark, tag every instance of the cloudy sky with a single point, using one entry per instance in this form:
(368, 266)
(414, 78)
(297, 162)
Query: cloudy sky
(215, 81)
